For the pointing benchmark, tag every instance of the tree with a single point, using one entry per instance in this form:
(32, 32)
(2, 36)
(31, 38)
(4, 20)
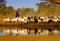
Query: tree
(10, 10)
(3, 9)
(42, 8)
(53, 1)
(28, 11)
(47, 9)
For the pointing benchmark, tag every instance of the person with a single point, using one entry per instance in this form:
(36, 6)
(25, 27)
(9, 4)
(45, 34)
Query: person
(17, 14)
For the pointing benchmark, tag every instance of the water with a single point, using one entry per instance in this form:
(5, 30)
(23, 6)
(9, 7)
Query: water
(1, 32)
(14, 31)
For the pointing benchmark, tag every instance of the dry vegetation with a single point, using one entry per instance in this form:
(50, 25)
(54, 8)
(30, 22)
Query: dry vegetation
(54, 1)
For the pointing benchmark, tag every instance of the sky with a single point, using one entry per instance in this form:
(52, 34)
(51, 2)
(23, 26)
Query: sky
(22, 3)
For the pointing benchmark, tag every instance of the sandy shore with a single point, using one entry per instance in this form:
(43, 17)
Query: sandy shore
(29, 38)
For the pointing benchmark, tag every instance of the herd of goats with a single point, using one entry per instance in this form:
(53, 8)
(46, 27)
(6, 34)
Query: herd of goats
(33, 19)
(30, 31)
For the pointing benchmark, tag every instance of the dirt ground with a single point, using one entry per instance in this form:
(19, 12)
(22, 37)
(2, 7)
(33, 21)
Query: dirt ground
(29, 38)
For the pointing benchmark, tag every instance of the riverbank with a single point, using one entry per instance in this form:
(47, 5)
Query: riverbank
(29, 38)
(31, 25)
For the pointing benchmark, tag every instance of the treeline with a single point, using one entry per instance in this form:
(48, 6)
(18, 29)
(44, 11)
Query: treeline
(53, 1)
(44, 9)
(9, 11)
(47, 9)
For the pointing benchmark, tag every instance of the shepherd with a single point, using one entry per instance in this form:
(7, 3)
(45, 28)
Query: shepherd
(17, 14)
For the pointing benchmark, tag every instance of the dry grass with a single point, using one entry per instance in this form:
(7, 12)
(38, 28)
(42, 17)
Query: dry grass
(29, 38)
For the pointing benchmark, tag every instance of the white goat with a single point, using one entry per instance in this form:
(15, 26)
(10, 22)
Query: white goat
(6, 20)
(14, 19)
(55, 19)
(23, 19)
(46, 19)
(39, 21)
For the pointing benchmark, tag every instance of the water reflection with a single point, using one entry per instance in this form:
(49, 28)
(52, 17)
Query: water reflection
(28, 31)
(1, 32)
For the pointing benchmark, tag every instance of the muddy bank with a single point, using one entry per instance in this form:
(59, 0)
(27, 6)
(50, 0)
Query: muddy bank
(30, 25)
